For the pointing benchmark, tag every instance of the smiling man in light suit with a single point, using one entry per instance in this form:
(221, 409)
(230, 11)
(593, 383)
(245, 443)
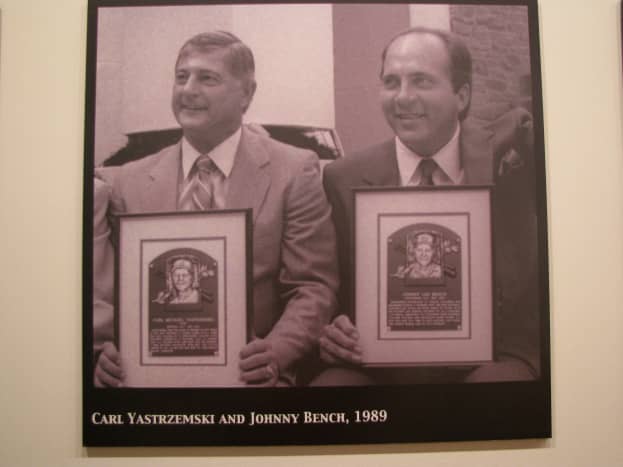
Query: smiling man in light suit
(220, 163)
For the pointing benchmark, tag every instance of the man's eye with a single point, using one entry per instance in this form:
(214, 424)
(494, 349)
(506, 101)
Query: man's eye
(423, 82)
(180, 78)
(390, 82)
(210, 80)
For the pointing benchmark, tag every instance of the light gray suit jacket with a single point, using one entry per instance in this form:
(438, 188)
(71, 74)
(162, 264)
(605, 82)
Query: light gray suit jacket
(294, 258)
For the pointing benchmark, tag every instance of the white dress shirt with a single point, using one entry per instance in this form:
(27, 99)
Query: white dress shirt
(222, 155)
(448, 171)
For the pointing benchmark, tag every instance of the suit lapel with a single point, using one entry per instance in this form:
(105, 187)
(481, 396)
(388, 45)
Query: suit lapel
(161, 184)
(476, 155)
(381, 168)
(476, 152)
(249, 179)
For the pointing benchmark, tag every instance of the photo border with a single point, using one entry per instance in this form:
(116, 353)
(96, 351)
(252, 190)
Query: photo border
(453, 412)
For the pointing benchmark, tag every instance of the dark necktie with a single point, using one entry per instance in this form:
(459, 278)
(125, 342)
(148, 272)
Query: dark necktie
(427, 167)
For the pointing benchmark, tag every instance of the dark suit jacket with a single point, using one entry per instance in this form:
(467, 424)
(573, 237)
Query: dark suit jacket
(294, 260)
(484, 161)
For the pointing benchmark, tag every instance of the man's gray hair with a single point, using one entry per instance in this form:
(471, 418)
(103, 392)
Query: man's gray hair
(239, 56)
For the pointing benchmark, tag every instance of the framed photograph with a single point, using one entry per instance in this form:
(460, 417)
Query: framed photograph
(181, 317)
(429, 253)
(290, 238)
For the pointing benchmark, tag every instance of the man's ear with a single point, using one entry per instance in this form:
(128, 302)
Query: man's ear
(463, 97)
(248, 89)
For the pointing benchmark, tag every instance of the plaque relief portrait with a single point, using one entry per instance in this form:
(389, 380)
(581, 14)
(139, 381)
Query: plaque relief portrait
(183, 310)
(424, 283)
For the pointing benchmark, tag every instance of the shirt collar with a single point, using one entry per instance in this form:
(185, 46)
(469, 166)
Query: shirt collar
(447, 158)
(222, 155)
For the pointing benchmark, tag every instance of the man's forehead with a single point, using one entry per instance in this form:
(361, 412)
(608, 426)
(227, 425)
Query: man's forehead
(418, 45)
(191, 51)
(416, 40)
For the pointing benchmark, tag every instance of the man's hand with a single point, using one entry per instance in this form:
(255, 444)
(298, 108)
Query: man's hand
(339, 342)
(258, 364)
(108, 372)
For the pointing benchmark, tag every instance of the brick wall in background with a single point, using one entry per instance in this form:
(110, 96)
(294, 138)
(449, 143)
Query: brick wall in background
(497, 37)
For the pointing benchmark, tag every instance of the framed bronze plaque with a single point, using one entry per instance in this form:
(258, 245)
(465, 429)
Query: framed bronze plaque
(181, 317)
(423, 275)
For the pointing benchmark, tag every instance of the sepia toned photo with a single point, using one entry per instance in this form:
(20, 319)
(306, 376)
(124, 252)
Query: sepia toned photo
(300, 207)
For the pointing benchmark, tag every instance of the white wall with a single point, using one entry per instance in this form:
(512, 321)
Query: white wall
(138, 47)
(42, 62)
(431, 16)
(293, 47)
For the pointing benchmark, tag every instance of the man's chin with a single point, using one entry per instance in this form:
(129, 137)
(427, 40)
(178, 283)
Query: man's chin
(411, 125)
(411, 139)
(193, 124)
(192, 112)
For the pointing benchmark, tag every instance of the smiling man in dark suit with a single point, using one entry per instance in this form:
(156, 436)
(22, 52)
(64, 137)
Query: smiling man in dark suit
(425, 95)
(221, 163)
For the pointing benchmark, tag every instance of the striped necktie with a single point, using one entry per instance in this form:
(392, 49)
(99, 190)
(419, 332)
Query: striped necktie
(204, 191)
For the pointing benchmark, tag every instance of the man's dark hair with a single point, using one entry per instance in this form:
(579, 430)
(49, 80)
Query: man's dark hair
(239, 56)
(460, 58)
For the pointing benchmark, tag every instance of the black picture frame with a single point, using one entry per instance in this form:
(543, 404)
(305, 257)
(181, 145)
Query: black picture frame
(384, 413)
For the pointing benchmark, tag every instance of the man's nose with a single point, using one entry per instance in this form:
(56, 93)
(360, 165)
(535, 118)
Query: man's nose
(190, 86)
(405, 94)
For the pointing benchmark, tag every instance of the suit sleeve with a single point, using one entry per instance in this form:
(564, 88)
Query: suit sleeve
(105, 202)
(103, 267)
(337, 195)
(111, 177)
(308, 272)
(516, 247)
(513, 140)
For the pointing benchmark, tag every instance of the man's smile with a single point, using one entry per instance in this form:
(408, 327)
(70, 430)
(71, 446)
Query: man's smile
(407, 116)
(194, 108)
(408, 119)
